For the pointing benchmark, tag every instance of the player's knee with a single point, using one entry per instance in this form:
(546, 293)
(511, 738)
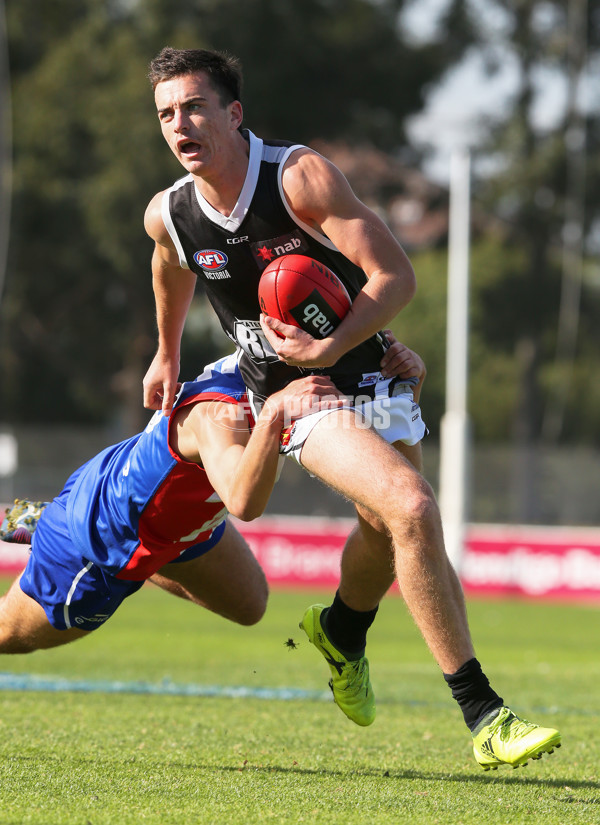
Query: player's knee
(253, 609)
(423, 507)
(416, 508)
(248, 617)
(11, 642)
(260, 605)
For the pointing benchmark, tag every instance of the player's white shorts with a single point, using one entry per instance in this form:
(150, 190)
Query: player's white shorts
(395, 418)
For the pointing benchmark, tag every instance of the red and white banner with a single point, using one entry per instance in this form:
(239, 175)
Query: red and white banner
(298, 551)
(13, 557)
(553, 563)
(558, 563)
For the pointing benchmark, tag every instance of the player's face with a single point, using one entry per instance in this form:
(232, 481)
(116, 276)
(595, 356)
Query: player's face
(194, 122)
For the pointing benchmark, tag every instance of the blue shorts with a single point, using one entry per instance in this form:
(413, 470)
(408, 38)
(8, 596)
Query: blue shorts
(73, 591)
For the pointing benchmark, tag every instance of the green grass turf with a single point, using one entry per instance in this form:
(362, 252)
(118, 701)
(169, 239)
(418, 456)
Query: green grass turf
(106, 759)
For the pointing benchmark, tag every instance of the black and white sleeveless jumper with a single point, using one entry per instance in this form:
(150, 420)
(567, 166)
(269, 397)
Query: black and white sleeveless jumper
(229, 253)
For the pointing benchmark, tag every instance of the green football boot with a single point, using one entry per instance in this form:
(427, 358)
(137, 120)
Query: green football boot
(501, 738)
(350, 685)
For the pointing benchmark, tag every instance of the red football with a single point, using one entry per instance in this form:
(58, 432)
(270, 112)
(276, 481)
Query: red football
(301, 291)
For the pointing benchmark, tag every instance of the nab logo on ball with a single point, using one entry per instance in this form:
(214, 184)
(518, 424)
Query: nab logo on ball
(314, 315)
(211, 259)
(302, 291)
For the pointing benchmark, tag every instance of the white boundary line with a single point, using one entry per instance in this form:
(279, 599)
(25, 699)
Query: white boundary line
(24, 682)
(58, 684)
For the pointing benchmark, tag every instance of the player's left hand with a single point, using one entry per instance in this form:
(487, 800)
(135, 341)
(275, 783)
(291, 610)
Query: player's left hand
(296, 347)
(399, 360)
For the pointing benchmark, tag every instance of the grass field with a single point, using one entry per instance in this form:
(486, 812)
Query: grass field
(101, 758)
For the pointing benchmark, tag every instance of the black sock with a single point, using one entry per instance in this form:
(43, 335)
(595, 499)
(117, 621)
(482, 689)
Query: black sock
(346, 628)
(472, 691)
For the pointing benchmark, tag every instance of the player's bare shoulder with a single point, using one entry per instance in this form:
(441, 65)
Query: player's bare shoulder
(154, 223)
(306, 171)
(207, 425)
(314, 186)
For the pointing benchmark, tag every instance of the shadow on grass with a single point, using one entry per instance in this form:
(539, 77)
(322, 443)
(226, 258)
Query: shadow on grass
(485, 778)
(501, 777)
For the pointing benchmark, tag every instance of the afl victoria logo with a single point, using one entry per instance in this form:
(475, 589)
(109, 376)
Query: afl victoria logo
(211, 259)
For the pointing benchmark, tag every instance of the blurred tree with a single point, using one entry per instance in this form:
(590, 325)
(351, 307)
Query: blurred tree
(78, 307)
(539, 305)
(534, 284)
(78, 316)
(77, 326)
(329, 68)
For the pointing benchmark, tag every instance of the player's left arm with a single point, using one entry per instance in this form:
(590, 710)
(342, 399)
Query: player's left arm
(241, 470)
(321, 197)
(242, 466)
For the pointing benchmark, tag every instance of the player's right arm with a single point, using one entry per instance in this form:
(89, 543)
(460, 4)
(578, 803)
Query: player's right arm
(173, 292)
(319, 195)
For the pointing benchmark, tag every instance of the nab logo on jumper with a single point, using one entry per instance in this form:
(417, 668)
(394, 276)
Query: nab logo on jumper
(266, 251)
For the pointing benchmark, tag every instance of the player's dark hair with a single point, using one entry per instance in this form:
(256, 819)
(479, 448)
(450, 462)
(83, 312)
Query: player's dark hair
(224, 70)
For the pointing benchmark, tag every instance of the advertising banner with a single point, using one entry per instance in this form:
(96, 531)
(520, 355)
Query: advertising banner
(535, 562)
(556, 563)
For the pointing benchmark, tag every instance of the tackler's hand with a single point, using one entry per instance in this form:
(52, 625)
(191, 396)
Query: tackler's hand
(398, 359)
(304, 396)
